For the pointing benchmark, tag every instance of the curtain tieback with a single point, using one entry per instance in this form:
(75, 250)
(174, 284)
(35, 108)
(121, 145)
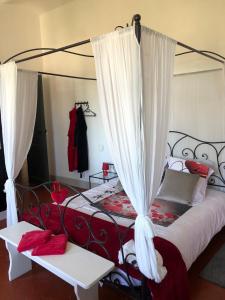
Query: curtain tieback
(143, 221)
(9, 184)
(144, 230)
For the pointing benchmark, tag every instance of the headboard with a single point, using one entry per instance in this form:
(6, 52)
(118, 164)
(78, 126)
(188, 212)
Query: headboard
(185, 146)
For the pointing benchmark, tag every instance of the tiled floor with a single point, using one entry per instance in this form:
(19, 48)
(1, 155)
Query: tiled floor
(40, 284)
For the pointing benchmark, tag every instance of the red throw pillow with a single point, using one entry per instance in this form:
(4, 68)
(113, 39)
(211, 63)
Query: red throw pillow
(56, 245)
(195, 167)
(33, 239)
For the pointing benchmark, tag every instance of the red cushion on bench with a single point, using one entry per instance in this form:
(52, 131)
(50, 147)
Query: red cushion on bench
(55, 245)
(33, 239)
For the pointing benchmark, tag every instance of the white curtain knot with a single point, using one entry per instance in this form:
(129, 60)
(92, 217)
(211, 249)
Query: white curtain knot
(144, 223)
(9, 184)
(142, 217)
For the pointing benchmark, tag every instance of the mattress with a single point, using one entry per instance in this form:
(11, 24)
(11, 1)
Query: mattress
(191, 233)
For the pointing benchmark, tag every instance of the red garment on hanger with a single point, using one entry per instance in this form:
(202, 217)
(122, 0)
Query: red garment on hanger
(72, 149)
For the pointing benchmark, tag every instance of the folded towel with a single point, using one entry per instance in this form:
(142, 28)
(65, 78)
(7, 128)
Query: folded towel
(33, 239)
(55, 245)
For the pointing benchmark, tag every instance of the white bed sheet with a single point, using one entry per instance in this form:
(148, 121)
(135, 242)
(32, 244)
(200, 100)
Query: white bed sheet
(191, 233)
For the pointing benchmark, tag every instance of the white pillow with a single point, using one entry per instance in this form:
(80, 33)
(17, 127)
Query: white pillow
(200, 189)
(177, 164)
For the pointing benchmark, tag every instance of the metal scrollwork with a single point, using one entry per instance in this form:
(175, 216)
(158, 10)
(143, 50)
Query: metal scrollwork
(96, 239)
(186, 153)
(186, 146)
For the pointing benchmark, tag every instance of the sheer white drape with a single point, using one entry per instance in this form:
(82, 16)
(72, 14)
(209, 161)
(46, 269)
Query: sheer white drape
(134, 88)
(18, 101)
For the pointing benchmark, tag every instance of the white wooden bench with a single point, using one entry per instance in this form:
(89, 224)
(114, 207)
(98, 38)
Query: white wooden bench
(79, 267)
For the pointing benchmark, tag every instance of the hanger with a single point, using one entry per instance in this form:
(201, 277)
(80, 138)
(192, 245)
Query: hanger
(87, 111)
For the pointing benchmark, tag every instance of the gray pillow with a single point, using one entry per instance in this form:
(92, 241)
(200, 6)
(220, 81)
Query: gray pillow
(178, 186)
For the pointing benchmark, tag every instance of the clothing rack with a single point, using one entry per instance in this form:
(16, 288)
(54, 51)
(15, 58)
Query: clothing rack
(136, 20)
(87, 111)
(66, 76)
(81, 103)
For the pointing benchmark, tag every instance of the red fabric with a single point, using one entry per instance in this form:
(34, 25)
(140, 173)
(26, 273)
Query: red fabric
(58, 194)
(195, 167)
(33, 239)
(175, 283)
(54, 246)
(72, 149)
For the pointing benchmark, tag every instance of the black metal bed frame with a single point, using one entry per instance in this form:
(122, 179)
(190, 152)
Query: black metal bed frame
(179, 145)
(135, 21)
(185, 146)
(39, 211)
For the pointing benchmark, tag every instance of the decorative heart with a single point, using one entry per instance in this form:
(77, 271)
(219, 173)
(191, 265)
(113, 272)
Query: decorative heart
(60, 196)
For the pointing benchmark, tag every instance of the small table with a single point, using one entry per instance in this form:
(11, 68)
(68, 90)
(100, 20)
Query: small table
(99, 175)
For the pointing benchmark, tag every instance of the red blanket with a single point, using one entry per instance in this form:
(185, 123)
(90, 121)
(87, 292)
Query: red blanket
(175, 284)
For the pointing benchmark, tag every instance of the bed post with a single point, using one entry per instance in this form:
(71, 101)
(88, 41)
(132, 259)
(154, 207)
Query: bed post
(136, 19)
(145, 292)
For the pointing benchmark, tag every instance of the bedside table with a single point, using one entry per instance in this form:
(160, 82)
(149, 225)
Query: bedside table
(99, 175)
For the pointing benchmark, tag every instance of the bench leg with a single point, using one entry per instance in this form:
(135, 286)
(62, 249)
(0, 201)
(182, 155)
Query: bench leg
(19, 264)
(89, 294)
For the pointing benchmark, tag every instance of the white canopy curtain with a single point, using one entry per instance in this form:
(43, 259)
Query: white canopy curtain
(18, 101)
(134, 83)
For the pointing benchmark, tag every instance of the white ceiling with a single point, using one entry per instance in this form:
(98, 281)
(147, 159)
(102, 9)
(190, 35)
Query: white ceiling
(40, 6)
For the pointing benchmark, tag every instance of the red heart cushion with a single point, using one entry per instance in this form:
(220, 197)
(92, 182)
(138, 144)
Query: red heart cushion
(59, 196)
(33, 239)
(56, 245)
(195, 167)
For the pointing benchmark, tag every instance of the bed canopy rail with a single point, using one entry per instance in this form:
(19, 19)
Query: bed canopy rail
(66, 76)
(136, 21)
(45, 49)
(202, 51)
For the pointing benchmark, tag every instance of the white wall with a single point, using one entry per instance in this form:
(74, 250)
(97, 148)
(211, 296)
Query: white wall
(19, 31)
(198, 105)
(60, 95)
(197, 23)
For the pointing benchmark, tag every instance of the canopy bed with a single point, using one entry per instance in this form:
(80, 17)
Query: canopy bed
(133, 65)
(77, 217)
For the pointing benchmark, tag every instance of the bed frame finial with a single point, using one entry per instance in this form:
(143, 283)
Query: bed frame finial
(137, 19)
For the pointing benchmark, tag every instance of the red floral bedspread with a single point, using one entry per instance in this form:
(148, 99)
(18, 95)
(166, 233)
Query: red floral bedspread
(162, 212)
